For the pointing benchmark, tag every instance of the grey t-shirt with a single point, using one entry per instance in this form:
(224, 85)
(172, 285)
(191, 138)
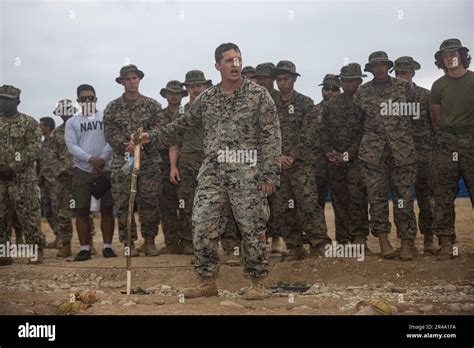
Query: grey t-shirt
(85, 138)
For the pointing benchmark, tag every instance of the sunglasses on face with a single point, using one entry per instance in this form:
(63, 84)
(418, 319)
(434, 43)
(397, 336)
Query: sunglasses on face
(331, 88)
(87, 98)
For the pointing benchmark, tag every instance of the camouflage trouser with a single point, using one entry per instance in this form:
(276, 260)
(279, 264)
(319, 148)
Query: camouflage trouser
(213, 201)
(322, 184)
(453, 156)
(16, 226)
(424, 192)
(45, 200)
(60, 191)
(189, 165)
(169, 205)
(379, 179)
(288, 223)
(298, 191)
(349, 199)
(46, 204)
(149, 190)
(22, 199)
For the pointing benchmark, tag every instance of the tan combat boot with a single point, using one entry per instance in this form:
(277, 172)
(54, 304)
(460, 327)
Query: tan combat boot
(407, 249)
(318, 250)
(19, 237)
(206, 286)
(171, 249)
(65, 250)
(133, 250)
(141, 248)
(150, 248)
(256, 290)
(428, 246)
(39, 260)
(295, 254)
(363, 241)
(446, 251)
(278, 245)
(187, 247)
(6, 261)
(386, 249)
(53, 244)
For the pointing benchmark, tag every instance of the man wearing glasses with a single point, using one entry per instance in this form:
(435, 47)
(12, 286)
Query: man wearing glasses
(92, 155)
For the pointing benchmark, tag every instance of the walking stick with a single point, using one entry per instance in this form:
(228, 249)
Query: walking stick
(131, 203)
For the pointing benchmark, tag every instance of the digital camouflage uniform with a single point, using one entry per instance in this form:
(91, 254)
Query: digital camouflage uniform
(320, 166)
(422, 135)
(342, 129)
(44, 185)
(169, 203)
(123, 117)
(266, 70)
(55, 161)
(298, 190)
(189, 162)
(388, 153)
(20, 140)
(244, 120)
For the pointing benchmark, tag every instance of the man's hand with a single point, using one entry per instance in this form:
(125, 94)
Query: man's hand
(6, 173)
(334, 158)
(144, 138)
(287, 161)
(95, 172)
(97, 162)
(174, 176)
(129, 147)
(268, 189)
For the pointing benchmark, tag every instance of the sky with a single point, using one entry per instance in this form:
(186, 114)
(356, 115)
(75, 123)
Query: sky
(48, 48)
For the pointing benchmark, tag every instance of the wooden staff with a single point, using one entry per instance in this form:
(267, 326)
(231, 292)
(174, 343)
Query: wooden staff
(131, 203)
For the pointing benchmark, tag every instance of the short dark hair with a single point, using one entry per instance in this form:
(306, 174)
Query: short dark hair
(465, 59)
(224, 48)
(48, 122)
(85, 87)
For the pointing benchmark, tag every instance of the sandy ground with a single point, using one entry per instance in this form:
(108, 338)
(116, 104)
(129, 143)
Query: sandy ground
(423, 286)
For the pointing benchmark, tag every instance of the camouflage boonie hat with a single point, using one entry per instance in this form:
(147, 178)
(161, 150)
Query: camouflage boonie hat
(126, 69)
(285, 67)
(195, 77)
(11, 92)
(331, 80)
(65, 107)
(173, 86)
(449, 45)
(248, 70)
(406, 63)
(351, 71)
(378, 56)
(264, 69)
